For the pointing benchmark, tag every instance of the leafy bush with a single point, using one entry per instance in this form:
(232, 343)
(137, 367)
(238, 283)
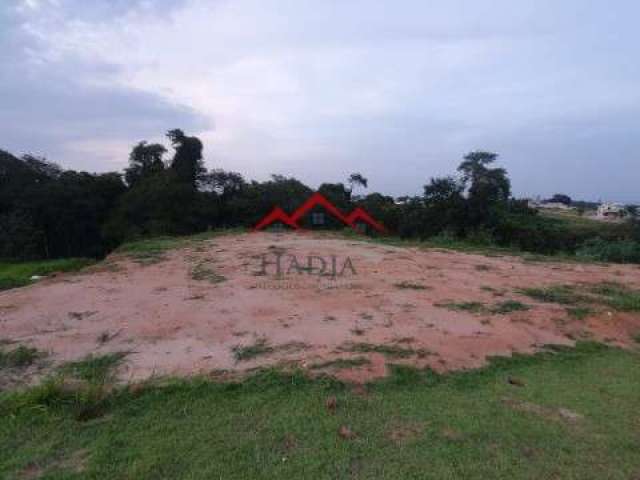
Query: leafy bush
(537, 234)
(20, 356)
(622, 251)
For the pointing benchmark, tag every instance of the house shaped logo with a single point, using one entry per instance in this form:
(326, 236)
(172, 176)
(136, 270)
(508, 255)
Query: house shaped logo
(358, 219)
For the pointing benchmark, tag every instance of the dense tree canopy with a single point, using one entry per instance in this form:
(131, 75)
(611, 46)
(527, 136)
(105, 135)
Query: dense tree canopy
(46, 211)
(187, 160)
(356, 179)
(561, 198)
(145, 160)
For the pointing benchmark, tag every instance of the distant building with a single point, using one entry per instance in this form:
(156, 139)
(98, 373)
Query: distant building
(318, 210)
(537, 204)
(612, 210)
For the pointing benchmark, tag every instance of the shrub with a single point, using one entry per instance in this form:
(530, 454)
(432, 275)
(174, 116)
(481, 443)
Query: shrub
(19, 357)
(622, 251)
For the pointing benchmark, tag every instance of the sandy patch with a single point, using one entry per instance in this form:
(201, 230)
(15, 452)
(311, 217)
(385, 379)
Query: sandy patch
(196, 309)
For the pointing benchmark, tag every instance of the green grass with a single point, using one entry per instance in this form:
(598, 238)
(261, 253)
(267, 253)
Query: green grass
(622, 251)
(148, 251)
(576, 221)
(341, 363)
(20, 356)
(262, 347)
(95, 369)
(18, 274)
(415, 424)
(617, 296)
(501, 308)
(248, 352)
(464, 246)
(579, 313)
(388, 350)
(613, 295)
(81, 390)
(509, 306)
(562, 294)
(151, 250)
(202, 272)
(473, 307)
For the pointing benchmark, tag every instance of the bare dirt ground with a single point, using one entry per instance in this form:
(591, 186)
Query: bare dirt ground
(209, 308)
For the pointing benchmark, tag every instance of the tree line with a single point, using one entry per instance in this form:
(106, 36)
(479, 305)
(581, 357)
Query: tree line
(49, 212)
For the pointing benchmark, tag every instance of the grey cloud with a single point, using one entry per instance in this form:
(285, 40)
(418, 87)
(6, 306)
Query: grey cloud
(46, 108)
(397, 90)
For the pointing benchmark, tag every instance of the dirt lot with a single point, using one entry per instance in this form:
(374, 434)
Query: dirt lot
(212, 307)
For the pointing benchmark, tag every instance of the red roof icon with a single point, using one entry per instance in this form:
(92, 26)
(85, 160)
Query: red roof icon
(356, 216)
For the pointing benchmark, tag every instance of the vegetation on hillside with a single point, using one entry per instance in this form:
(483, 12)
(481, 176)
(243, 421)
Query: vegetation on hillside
(19, 274)
(566, 413)
(47, 212)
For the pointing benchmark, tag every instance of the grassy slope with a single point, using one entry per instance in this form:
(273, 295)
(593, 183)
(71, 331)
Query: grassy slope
(18, 274)
(464, 247)
(414, 425)
(151, 250)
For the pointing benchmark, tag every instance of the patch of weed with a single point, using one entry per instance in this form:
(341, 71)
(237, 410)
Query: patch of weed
(509, 306)
(579, 313)
(615, 295)
(388, 350)
(341, 363)
(83, 388)
(95, 369)
(148, 251)
(482, 268)
(562, 294)
(473, 307)
(248, 352)
(501, 308)
(21, 356)
(410, 286)
(202, 272)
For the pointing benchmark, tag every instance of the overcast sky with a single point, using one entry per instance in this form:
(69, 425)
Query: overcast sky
(397, 90)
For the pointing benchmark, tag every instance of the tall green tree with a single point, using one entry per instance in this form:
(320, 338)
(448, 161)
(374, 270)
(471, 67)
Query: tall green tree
(445, 206)
(356, 179)
(224, 183)
(488, 189)
(337, 194)
(187, 160)
(145, 160)
(50, 212)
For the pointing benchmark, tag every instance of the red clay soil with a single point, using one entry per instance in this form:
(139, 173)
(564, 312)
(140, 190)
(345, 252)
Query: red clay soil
(173, 323)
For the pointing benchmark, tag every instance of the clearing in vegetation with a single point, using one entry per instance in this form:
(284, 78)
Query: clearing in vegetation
(362, 376)
(200, 306)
